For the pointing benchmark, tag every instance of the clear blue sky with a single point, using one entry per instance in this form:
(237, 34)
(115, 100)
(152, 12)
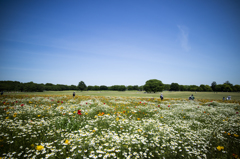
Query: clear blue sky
(120, 42)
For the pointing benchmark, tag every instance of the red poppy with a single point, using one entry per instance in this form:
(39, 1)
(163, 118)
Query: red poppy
(16, 101)
(86, 103)
(79, 112)
(140, 102)
(58, 101)
(237, 112)
(22, 104)
(103, 103)
(158, 105)
(168, 105)
(61, 101)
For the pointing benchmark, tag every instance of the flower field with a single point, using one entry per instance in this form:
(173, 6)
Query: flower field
(117, 127)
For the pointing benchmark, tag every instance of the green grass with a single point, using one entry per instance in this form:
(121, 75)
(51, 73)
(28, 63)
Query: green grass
(167, 94)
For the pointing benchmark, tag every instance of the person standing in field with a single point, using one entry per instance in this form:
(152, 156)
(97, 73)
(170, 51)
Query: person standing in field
(161, 96)
(73, 94)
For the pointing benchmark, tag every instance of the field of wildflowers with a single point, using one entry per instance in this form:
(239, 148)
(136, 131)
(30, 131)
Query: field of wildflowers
(117, 127)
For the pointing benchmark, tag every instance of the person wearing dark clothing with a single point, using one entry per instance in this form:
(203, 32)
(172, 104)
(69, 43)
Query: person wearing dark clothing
(73, 94)
(161, 96)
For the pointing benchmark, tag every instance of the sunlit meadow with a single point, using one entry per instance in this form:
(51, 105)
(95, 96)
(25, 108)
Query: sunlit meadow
(117, 127)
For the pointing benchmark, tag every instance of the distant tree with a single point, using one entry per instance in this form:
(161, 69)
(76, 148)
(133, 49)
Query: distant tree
(102, 87)
(135, 87)
(130, 87)
(82, 86)
(236, 88)
(153, 85)
(122, 88)
(181, 88)
(228, 83)
(174, 87)
(90, 87)
(96, 88)
(219, 88)
(202, 86)
(140, 88)
(167, 87)
(213, 85)
(227, 88)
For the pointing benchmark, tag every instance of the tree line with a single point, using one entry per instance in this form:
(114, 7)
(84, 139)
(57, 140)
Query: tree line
(152, 85)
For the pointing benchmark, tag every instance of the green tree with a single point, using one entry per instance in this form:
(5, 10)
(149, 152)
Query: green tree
(103, 87)
(130, 87)
(82, 86)
(96, 88)
(135, 87)
(153, 85)
(174, 87)
(213, 85)
(122, 88)
(236, 88)
(167, 87)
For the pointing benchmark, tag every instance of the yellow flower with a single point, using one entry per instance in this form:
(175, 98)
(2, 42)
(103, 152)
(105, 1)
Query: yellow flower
(138, 118)
(229, 134)
(220, 148)
(7, 112)
(184, 117)
(94, 131)
(74, 112)
(117, 118)
(39, 148)
(161, 117)
(86, 113)
(30, 102)
(39, 115)
(7, 117)
(14, 115)
(32, 145)
(67, 142)
(236, 135)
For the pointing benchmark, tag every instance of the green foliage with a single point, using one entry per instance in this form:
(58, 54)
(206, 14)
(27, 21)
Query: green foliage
(174, 87)
(102, 87)
(153, 85)
(82, 86)
(130, 88)
(166, 86)
(213, 85)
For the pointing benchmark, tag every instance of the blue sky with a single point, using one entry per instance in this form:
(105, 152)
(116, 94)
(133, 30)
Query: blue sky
(113, 42)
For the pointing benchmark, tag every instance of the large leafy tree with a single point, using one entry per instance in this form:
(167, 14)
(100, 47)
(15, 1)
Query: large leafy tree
(153, 85)
(213, 85)
(174, 87)
(82, 86)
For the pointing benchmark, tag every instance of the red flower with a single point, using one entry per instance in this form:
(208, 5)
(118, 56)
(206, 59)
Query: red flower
(58, 101)
(16, 101)
(86, 103)
(79, 112)
(61, 101)
(237, 112)
(103, 103)
(158, 105)
(22, 104)
(140, 102)
(168, 105)
(198, 107)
